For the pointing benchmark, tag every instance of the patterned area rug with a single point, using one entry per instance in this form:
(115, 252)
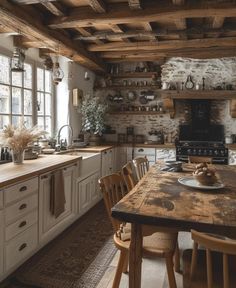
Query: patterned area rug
(78, 258)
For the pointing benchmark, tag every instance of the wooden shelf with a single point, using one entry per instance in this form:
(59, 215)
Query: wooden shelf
(136, 113)
(202, 94)
(133, 75)
(129, 87)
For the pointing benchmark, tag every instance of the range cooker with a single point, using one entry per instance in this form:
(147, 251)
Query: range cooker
(216, 150)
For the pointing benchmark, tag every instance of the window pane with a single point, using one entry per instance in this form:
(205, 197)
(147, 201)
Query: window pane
(16, 100)
(48, 104)
(4, 69)
(41, 123)
(48, 81)
(28, 122)
(40, 81)
(28, 102)
(4, 98)
(16, 120)
(17, 79)
(40, 103)
(4, 120)
(28, 76)
(48, 125)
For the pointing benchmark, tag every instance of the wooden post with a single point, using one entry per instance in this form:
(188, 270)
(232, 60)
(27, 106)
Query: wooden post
(135, 256)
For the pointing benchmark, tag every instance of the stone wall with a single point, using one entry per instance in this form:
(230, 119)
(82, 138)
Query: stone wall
(176, 70)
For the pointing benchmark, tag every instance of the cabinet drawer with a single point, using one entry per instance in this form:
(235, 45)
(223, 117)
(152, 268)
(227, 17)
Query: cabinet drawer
(139, 151)
(20, 247)
(1, 199)
(20, 190)
(22, 207)
(21, 225)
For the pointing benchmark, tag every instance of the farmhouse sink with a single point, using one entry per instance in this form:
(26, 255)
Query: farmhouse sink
(75, 152)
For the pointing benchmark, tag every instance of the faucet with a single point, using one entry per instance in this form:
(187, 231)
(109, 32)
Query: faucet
(69, 137)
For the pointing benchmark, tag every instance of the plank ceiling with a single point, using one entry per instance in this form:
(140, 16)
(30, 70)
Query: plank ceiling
(96, 32)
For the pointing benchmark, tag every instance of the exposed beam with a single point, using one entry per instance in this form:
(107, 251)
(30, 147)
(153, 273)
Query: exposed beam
(135, 4)
(53, 8)
(148, 27)
(178, 2)
(118, 29)
(30, 2)
(168, 44)
(97, 5)
(17, 19)
(152, 13)
(85, 32)
(181, 24)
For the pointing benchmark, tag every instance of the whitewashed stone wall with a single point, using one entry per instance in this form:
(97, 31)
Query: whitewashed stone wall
(176, 70)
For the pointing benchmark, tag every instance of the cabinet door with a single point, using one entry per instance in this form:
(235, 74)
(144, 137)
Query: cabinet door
(47, 221)
(94, 188)
(84, 195)
(1, 243)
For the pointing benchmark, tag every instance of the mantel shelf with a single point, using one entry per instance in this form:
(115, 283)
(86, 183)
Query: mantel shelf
(196, 94)
(136, 113)
(129, 87)
(133, 75)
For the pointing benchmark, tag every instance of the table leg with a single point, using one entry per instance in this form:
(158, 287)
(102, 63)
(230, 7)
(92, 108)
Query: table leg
(135, 256)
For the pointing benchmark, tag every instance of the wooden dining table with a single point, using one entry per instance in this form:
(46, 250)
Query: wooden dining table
(160, 200)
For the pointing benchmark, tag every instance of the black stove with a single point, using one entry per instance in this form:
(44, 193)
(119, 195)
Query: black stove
(216, 150)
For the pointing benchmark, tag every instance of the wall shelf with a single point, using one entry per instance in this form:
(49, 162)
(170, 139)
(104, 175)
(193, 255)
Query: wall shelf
(129, 87)
(133, 75)
(199, 94)
(136, 113)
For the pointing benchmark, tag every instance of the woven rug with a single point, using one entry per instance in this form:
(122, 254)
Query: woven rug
(78, 258)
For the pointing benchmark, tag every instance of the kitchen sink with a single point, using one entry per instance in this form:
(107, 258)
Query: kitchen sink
(75, 152)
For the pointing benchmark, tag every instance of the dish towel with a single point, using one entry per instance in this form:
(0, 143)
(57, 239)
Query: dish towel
(57, 194)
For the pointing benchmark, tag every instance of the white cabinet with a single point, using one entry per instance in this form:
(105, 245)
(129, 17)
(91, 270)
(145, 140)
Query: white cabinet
(165, 153)
(88, 193)
(1, 240)
(49, 225)
(107, 165)
(232, 157)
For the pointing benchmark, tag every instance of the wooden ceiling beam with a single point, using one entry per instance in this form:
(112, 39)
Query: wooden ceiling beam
(30, 2)
(86, 32)
(148, 27)
(178, 2)
(97, 5)
(53, 9)
(29, 26)
(117, 14)
(118, 29)
(168, 44)
(135, 4)
(218, 22)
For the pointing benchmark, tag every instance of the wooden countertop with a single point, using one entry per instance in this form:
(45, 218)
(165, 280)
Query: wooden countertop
(96, 149)
(10, 173)
(104, 147)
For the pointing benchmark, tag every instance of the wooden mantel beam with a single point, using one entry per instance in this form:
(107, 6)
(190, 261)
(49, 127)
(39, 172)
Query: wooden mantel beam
(18, 20)
(168, 44)
(163, 10)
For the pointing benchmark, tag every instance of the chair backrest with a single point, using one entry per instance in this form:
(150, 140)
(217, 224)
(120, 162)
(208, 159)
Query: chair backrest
(217, 243)
(141, 165)
(113, 189)
(199, 159)
(128, 176)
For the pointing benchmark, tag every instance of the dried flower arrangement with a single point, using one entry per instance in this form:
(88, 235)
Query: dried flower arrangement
(18, 138)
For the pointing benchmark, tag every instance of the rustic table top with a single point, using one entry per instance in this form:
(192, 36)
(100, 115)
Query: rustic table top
(159, 199)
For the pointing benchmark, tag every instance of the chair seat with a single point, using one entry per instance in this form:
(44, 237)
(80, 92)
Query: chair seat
(158, 244)
(200, 274)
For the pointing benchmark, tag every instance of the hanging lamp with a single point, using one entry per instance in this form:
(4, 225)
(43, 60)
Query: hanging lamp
(57, 73)
(17, 60)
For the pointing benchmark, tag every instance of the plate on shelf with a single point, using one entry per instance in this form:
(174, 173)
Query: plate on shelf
(193, 183)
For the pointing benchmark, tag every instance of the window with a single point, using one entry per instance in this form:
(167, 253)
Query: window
(44, 99)
(15, 94)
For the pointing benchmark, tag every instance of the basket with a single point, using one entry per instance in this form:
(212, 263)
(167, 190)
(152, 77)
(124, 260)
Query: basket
(206, 180)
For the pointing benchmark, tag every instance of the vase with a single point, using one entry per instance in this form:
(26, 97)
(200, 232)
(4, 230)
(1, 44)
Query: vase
(18, 156)
(95, 140)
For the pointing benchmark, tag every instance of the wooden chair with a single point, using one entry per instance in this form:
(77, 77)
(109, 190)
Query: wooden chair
(214, 267)
(128, 176)
(141, 166)
(199, 159)
(158, 244)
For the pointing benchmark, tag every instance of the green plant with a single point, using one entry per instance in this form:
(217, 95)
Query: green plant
(93, 113)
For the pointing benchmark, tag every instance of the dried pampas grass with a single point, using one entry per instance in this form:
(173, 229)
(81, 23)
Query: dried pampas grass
(18, 138)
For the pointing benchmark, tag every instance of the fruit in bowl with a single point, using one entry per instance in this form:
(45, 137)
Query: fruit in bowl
(205, 175)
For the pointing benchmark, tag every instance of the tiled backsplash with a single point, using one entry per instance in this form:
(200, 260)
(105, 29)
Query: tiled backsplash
(215, 71)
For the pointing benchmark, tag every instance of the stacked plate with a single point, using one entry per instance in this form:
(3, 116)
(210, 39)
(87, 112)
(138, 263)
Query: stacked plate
(173, 166)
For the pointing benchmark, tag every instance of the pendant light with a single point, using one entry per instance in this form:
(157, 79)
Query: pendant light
(17, 60)
(57, 73)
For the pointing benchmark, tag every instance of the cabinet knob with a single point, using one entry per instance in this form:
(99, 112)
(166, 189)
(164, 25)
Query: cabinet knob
(23, 206)
(22, 224)
(22, 247)
(23, 188)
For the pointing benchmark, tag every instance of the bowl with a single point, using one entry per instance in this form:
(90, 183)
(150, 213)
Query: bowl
(206, 180)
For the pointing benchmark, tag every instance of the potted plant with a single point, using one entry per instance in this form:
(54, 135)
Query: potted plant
(93, 114)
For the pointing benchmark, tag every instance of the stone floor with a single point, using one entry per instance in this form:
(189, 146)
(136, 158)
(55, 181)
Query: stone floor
(153, 270)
